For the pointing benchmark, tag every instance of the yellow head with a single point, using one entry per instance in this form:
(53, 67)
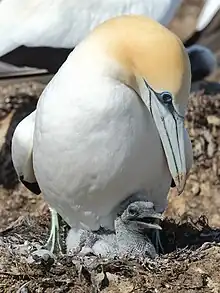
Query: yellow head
(146, 49)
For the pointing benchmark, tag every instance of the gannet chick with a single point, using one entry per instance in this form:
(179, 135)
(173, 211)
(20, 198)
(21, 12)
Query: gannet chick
(111, 122)
(130, 238)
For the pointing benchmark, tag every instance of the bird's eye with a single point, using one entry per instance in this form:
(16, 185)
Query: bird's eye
(166, 97)
(132, 210)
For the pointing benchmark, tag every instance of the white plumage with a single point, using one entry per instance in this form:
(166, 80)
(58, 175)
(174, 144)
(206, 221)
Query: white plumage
(103, 134)
(23, 140)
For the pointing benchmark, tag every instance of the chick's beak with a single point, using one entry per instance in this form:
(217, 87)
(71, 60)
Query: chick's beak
(149, 220)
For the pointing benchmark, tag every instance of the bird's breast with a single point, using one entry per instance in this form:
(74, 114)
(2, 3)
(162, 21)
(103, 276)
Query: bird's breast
(94, 149)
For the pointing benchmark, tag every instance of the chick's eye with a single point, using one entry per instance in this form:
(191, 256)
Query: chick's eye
(132, 210)
(166, 97)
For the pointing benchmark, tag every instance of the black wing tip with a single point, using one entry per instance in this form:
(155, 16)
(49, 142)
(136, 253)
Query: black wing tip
(33, 187)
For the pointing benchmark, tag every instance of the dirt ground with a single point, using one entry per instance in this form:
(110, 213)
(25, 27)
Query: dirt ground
(191, 231)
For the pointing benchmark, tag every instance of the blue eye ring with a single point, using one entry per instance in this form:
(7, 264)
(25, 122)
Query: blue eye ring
(166, 98)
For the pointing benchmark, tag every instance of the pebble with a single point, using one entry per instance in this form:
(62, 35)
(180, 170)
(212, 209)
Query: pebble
(214, 120)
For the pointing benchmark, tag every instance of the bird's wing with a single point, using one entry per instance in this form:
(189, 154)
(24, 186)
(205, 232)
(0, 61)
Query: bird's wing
(34, 23)
(12, 17)
(22, 152)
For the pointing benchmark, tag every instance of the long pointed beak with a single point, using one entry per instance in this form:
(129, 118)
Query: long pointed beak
(171, 129)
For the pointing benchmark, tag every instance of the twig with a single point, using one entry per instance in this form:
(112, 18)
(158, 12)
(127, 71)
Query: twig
(22, 287)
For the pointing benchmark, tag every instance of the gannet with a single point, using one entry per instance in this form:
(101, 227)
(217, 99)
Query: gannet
(110, 123)
(129, 238)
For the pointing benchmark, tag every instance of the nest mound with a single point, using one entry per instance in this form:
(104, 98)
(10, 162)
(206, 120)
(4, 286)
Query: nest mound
(191, 265)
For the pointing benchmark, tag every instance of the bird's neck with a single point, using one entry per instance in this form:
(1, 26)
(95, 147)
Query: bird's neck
(131, 242)
(128, 238)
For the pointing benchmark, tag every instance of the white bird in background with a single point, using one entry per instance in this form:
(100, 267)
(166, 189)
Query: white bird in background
(42, 33)
(64, 23)
(110, 123)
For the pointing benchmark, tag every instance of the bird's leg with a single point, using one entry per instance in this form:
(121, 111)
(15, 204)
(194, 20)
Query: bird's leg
(53, 243)
(157, 241)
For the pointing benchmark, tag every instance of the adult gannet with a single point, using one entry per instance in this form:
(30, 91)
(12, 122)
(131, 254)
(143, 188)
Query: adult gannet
(110, 123)
(129, 238)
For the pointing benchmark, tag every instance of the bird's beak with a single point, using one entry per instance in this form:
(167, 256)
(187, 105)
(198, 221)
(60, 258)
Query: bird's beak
(170, 126)
(149, 220)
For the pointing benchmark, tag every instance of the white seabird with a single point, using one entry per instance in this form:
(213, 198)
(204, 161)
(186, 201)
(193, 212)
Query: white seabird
(110, 123)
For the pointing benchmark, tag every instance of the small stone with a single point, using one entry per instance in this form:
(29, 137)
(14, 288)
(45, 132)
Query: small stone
(196, 188)
(211, 149)
(43, 253)
(24, 290)
(214, 120)
(42, 256)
